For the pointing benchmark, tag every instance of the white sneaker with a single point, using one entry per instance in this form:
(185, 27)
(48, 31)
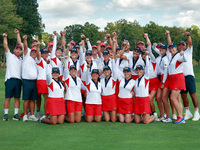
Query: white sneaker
(25, 118)
(160, 118)
(155, 114)
(32, 118)
(165, 115)
(188, 116)
(44, 116)
(37, 115)
(167, 119)
(196, 116)
(174, 117)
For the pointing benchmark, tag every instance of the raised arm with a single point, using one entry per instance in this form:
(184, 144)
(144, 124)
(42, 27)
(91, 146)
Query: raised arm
(113, 66)
(83, 41)
(63, 33)
(5, 43)
(168, 37)
(149, 47)
(48, 74)
(114, 47)
(99, 48)
(122, 51)
(53, 52)
(155, 48)
(25, 45)
(115, 37)
(189, 39)
(81, 53)
(19, 41)
(38, 51)
(88, 74)
(109, 40)
(182, 57)
(147, 64)
(88, 44)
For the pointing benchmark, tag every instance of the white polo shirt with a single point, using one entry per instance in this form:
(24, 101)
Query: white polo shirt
(29, 67)
(14, 66)
(188, 66)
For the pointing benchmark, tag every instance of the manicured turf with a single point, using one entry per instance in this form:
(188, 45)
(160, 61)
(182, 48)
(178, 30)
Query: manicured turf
(157, 135)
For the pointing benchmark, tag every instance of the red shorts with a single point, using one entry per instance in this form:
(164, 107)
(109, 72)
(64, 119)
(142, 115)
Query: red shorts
(55, 106)
(142, 105)
(73, 106)
(125, 105)
(177, 82)
(166, 85)
(83, 91)
(93, 109)
(42, 86)
(134, 77)
(109, 102)
(153, 84)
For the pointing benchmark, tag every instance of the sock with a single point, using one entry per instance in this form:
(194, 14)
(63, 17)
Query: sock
(37, 110)
(187, 110)
(5, 111)
(16, 111)
(196, 109)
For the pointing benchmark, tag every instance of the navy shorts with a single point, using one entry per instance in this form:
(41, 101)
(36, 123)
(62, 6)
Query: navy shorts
(190, 85)
(13, 88)
(29, 89)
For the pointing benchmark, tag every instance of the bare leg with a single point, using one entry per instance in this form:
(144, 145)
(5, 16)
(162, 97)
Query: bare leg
(78, 116)
(165, 93)
(38, 102)
(151, 97)
(45, 101)
(52, 120)
(26, 106)
(106, 116)
(121, 117)
(97, 118)
(32, 106)
(128, 118)
(175, 99)
(194, 100)
(185, 100)
(71, 117)
(159, 102)
(114, 116)
(7, 103)
(148, 120)
(61, 119)
(138, 118)
(17, 103)
(89, 118)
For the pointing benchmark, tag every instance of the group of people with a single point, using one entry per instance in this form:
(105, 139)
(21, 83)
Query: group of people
(106, 80)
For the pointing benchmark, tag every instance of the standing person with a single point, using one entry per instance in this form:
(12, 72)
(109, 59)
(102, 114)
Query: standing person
(73, 95)
(29, 78)
(95, 56)
(109, 97)
(176, 80)
(42, 89)
(12, 78)
(142, 101)
(93, 104)
(55, 106)
(189, 79)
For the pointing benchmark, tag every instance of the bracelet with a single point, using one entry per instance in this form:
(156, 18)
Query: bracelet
(188, 35)
(108, 37)
(83, 38)
(163, 83)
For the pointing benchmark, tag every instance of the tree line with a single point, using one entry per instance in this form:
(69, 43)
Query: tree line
(23, 15)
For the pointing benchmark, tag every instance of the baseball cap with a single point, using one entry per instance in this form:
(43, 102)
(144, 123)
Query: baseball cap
(127, 69)
(72, 66)
(143, 52)
(94, 46)
(118, 48)
(108, 47)
(125, 42)
(102, 44)
(72, 42)
(44, 50)
(18, 46)
(164, 46)
(140, 42)
(158, 45)
(88, 52)
(33, 48)
(77, 46)
(50, 44)
(106, 52)
(139, 67)
(106, 68)
(55, 69)
(172, 45)
(138, 48)
(95, 71)
(182, 42)
(74, 50)
(59, 48)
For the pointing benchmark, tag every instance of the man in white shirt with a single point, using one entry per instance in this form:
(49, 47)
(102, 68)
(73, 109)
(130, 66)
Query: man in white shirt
(12, 78)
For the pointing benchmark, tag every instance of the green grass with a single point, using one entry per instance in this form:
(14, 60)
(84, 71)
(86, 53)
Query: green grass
(157, 135)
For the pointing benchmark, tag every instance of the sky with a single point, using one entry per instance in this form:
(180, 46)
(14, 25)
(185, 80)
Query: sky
(57, 14)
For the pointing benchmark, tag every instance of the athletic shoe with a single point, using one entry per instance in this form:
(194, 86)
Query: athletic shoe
(167, 119)
(32, 118)
(5, 117)
(16, 117)
(196, 116)
(179, 120)
(159, 118)
(174, 117)
(25, 118)
(44, 116)
(165, 115)
(188, 116)
(37, 114)
(155, 114)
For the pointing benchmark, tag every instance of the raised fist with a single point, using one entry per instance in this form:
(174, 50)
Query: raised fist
(167, 32)
(181, 53)
(5, 35)
(68, 45)
(64, 32)
(114, 34)
(54, 32)
(16, 31)
(146, 53)
(98, 42)
(25, 37)
(87, 39)
(186, 33)
(118, 55)
(112, 56)
(80, 43)
(82, 36)
(108, 35)
(145, 35)
(155, 44)
(61, 33)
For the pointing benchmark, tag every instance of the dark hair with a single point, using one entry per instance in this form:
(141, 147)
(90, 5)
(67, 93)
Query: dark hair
(61, 81)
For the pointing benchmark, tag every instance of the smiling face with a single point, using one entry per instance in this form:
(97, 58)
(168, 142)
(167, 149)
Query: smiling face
(50, 49)
(107, 72)
(88, 57)
(173, 50)
(140, 72)
(55, 75)
(73, 72)
(95, 76)
(94, 51)
(136, 53)
(127, 74)
(103, 48)
(74, 55)
(17, 52)
(182, 47)
(45, 55)
(33, 54)
(163, 51)
(106, 56)
(58, 53)
(142, 46)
